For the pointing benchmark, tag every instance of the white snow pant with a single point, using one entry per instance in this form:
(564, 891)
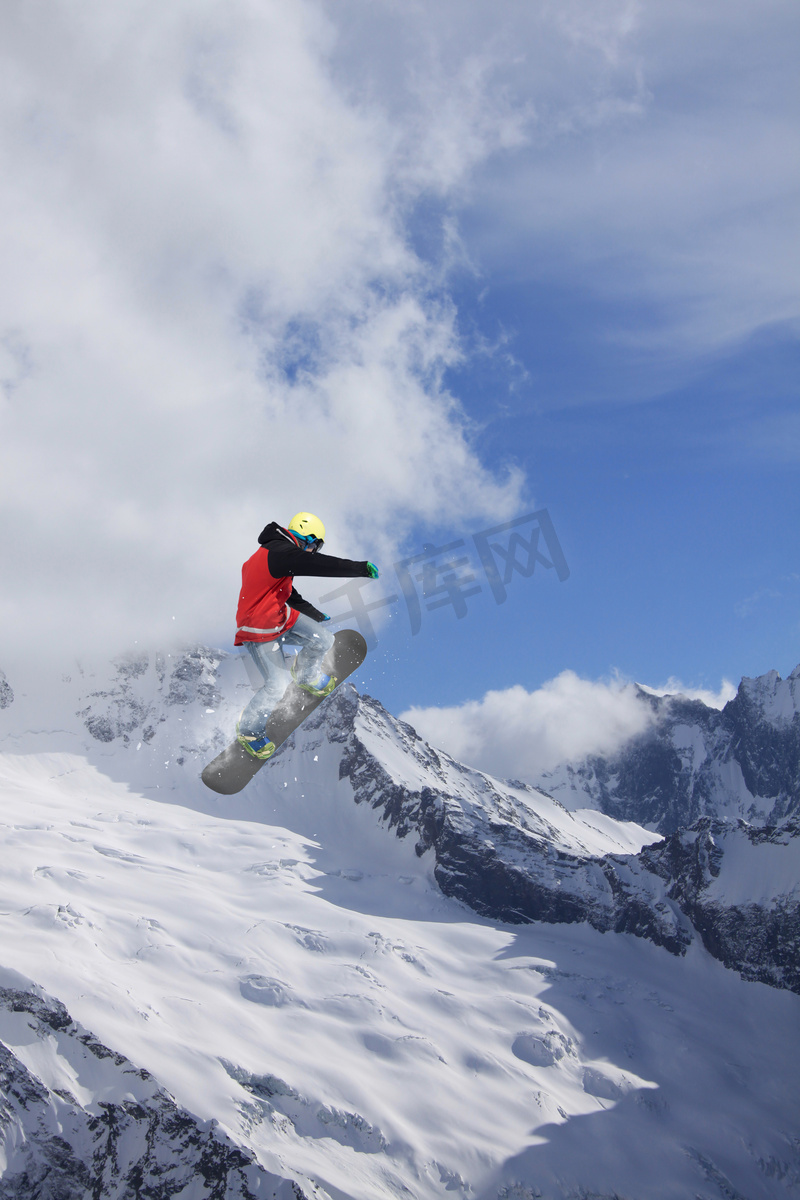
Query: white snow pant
(315, 642)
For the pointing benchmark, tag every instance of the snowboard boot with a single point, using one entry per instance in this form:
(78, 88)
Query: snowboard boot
(259, 746)
(323, 686)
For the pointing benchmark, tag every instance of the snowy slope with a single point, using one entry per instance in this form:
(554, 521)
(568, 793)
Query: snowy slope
(154, 718)
(512, 853)
(739, 885)
(78, 1118)
(284, 964)
(349, 1024)
(509, 851)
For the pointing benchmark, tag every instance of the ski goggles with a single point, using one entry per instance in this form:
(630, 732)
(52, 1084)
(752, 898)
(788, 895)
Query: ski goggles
(309, 541)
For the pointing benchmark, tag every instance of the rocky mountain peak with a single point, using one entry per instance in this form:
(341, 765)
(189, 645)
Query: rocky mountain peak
(742, 762)
(514, 853)
(278, 960)
(586, 844)
(771, 699)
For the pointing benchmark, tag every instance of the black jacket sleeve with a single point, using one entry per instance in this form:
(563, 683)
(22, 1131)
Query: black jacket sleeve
(305, 607)
(292, 561)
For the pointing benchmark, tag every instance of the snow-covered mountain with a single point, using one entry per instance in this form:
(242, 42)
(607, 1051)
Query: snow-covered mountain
(725, 787)
(516, 854)
(131, 1138)
(693, 761)
(375, 972)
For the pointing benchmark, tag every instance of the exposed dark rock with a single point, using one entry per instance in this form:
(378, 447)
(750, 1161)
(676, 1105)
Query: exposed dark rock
(129, 707)
(142, 1146)
(6, 694)
(696, 761)
(761, 941)
(273, 1096)
(493, 854)
(193, 677)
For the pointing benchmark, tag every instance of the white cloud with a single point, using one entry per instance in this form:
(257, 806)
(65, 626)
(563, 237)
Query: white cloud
(674, 687)
(655, 153)
(518, 734)
(211, 310)
(210, 317)
(673, 186)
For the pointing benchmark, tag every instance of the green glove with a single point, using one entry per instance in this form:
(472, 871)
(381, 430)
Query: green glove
(372, 570)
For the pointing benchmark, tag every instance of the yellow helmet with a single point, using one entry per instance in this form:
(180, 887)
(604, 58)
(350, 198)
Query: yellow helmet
(308, 528)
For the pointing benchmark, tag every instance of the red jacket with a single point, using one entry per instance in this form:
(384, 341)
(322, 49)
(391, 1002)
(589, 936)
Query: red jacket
(268, 603)
(263, 613)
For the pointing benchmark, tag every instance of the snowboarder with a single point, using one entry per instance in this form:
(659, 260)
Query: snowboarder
(271, 615)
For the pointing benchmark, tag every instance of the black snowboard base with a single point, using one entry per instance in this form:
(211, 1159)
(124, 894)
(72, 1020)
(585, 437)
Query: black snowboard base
(233, 769)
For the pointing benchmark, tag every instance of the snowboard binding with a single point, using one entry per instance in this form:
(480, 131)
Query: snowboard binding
(260, 747)
(323, 687)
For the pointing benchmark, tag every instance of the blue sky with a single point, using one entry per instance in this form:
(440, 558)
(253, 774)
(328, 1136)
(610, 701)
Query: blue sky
(680, 536)
(632, 350)
(422, 269)
(679, 510)
(680, 532)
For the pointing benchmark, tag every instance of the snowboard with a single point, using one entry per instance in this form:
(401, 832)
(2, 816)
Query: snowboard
(233, 769)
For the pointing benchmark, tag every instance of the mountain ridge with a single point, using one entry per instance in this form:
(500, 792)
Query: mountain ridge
(509, 850)
(506, 860)
(692, 761)
(64, 1147)
(298, 965)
